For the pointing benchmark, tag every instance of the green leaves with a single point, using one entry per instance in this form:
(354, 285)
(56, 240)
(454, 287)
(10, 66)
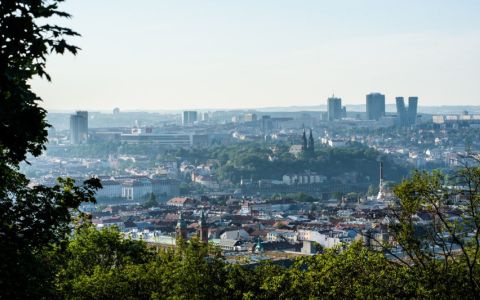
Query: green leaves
(34, 220)
(24, 46)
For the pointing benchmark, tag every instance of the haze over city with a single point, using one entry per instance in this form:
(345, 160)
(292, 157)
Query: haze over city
(152, 55)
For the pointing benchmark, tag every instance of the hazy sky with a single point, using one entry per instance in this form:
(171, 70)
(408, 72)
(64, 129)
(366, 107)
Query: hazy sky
(154, 54)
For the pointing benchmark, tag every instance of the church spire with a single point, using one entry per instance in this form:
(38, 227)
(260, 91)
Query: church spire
(304, 141)
(181, 229)
(311, 144)
(203, 228)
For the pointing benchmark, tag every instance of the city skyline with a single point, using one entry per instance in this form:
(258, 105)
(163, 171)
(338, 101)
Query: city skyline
(239, 149)
(170, 55)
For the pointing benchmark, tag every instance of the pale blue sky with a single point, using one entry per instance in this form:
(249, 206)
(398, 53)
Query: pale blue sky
(153, 54)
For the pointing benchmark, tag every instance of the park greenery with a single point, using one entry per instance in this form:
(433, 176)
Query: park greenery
(251, 160)
(50, 250)
(33, 220)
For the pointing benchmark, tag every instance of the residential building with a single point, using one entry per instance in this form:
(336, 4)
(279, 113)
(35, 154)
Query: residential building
(335, 109)
(375, 106)
(407, 116)
(189, 118)
(182, 202)
(79, 127)
(169, 140)
(110, 189)
(303, 178)
(136, 189)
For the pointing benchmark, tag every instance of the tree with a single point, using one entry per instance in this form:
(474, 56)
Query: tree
(24, 46)
(356, 273)
(443, 248)
(151, 201)
(33, 220)
(101, 264)
(94, 259)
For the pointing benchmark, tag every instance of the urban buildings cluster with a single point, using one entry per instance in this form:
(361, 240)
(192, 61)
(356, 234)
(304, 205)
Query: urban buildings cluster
(176, 161)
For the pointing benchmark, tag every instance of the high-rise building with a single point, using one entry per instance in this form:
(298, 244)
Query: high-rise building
(335, 110)
(412, 110)
(267, 124)
(407, 117)
(205, 116)
(375, 106)
(79, 127)
(189, 117)
(401, 111)
(250, 117)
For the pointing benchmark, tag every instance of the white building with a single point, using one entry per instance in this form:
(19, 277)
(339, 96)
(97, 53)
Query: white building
(165, 187)
(110, 189)
(328, 239)
(296, 150)
(236, 234)
(136, 189)
(334, 143)
(303, 178)
(282, 235)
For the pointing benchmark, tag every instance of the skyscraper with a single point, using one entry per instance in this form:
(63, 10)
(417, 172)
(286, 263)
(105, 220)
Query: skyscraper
(375, 106)
(334, 106)
(401, 111)
(407, 117)
(412, 110)
(189, 117)
(79, 127)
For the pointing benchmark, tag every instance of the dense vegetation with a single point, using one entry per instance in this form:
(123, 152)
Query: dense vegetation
(33, 220)
(256, 161)
(249, 160)
(103, 265)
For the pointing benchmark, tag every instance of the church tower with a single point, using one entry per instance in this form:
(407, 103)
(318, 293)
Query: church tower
(304, 141)
(181, 229)
(203, 228)
(311, 144)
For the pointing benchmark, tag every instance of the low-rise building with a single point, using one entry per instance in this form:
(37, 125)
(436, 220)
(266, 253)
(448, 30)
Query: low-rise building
(326, 239)
(182, 202)
(303, 178)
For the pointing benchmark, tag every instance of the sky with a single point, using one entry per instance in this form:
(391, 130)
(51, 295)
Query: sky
(197, 54)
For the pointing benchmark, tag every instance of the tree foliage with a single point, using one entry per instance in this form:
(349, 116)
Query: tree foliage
(33, 220)
(443, 247)
(251, 160)
(151, 201)
(24, 46)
